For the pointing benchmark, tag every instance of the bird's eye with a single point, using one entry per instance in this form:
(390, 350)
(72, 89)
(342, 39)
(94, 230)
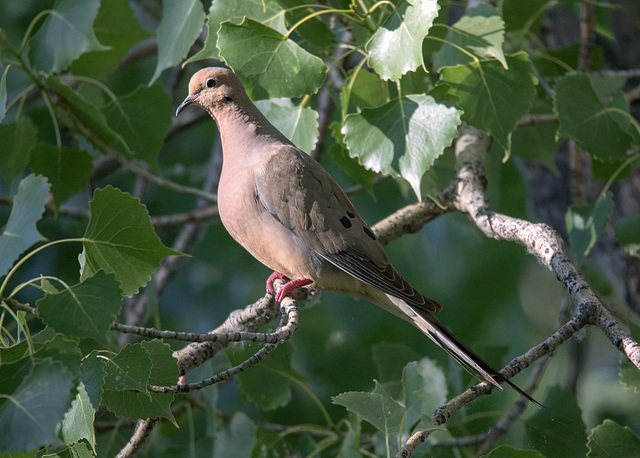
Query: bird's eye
(211, 82)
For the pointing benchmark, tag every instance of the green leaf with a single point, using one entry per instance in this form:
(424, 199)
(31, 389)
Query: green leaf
(340, 155)
(524, 16)
(396, 47)
(424, 388)
(276, 367)
(30, 414)
(78, 450)
(238, 440)
(17, 140)
(93, 376)
(505, 451)
(558, 431)
(21, 231)
(298, 123)
(627, 230)
(67, 170)
(143, 118)
(585, 120)
(3, 93)
(368, 90)
(78, 421)
(116, 27)
(129, 370)
(585, 224)
(537, 142)
(84, 310)
(610, 439)
(181, 23)
(65, 35)
(120, 240)
(376, 407)
(271, 15)
(269, 64)
(402, 138)
(480, 32)
(493, 98)
(87, 113)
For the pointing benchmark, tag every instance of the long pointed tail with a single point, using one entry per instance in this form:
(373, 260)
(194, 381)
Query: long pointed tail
(445, 339)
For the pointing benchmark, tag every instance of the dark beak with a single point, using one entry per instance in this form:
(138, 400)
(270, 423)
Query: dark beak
(188, 101)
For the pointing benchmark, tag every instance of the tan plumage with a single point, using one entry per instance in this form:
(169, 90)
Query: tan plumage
(287, 211)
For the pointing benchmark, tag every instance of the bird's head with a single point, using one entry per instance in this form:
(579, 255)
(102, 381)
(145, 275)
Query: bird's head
(212, 88)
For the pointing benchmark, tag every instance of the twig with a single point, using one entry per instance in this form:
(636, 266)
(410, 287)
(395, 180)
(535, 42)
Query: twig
(140, 435)
(416, 439)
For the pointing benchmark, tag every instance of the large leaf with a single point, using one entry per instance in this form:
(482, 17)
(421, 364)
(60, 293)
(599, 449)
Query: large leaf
(298, 123)
(143, 118)
(21, 231)
(84, 310)
(479, 32)
(376, 407)
(558, 431)
(65, 35)
(93, 376)
(585, 224)
(627, 232)
(67, 170)
(424, 389)
(493, 98)
(120, 240)
(396, 47)
(584, 119)
(402, 138)
(30, 414)
(17, 140)
(505, 451)
(3, 93)
(181, 23)
(340, 155)
(269, 64)
(270, 14)
(610, 439)
(116, 27)
(125, 390)
(238, 440)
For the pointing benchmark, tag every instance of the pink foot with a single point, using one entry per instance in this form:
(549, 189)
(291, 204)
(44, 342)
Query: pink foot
(289, 287)
(273, 277)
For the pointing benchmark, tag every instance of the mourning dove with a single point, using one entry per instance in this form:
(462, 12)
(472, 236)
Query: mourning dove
(284, 208)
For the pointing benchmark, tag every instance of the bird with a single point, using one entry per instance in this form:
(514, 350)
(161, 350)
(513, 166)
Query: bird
(286, 210)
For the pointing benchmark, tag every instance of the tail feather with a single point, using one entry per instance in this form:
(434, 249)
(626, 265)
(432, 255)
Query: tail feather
(467, 358)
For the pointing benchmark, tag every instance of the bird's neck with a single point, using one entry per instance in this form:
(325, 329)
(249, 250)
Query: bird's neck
(243, 129)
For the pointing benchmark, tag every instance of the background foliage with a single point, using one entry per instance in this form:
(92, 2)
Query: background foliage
(89, 149)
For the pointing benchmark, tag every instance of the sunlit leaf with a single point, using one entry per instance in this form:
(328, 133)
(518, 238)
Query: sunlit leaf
(493, 99)
(402, 138)
(396, 47)
(585, 120)
(269, 64)
(21, 231)
(610, 439)
(65, 35)
(17, 140)
(181, 23)
(479, 32)
(84, 310)
(120, 240)
(78, 421)
(298, 123)
(270, 15)
(67, 170)
(376, 407)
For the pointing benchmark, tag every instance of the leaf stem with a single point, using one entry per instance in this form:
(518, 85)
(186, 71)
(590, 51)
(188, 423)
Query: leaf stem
(618, 171)
(311, 16)
(30, 29)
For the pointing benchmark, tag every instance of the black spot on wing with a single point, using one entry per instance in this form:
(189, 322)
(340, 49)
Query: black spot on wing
(346, 222)
(350, 215)
(369, 233)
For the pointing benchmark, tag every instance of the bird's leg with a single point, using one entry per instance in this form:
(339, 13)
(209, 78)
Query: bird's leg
(289, 287)
(273, 277)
